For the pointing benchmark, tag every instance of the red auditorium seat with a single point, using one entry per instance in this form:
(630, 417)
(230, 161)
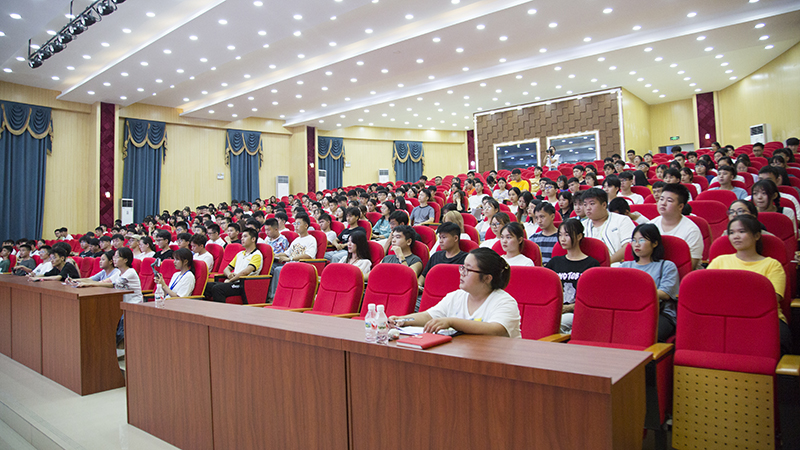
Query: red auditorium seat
(256, 287)
(649, 210)
(230, 252)
(217, 252)
(782, 227)
(719, 195)
(467, 246)
(437, 211)
(529, 249)
(87, 266)
(427, 235)
(146, 275)
(539, 308)
(644, 191)
(675, 250)
(367, 226)
(442, 279)
(714, 212)
(373, 217)
(705, 230)
(469, 219)
(727, 344)
(296, 288)
(592, 247)
(319, 262)
(339, 292)
(289, 234)
(391, 285)
(473, 233)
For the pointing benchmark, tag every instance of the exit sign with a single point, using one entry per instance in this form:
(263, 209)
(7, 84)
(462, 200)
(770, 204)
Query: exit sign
(674, 138)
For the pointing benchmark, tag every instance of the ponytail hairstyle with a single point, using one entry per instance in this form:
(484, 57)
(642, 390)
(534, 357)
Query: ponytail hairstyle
(490, 263)
(185, 255)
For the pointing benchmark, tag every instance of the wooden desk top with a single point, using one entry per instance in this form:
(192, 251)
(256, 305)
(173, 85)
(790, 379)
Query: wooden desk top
(56, 287)
(593, 369)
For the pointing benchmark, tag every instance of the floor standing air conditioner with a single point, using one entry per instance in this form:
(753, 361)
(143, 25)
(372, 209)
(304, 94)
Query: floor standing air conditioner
(760, 133)
(282, 186)
(383, 175)
(126, 210)
(322, 183)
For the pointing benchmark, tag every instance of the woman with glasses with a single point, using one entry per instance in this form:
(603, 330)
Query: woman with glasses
(479, 306)
(648, 256)
(498, 221)
(570, 267)
(490, 208)
(743, 207)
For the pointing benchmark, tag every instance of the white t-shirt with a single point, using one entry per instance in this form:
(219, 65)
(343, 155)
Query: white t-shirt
(303, 246)
(636, 198)
(499, 307)
(207, 258)
(364, 265)
(331, 235)
(43, 268)
(141, 256)
(243, 260)
(686, 230)
(489, 243)
(182, 284)
(221, 242)
(615, 232)
(128, 281)
(519, 260)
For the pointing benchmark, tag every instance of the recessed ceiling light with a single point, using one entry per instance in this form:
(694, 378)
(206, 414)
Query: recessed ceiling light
(459, 50)
(662, 96)
(167, 51)
(673, 65)
(193, 37)
(701, 38)
(150, 14)
(502, 60)
(262, 33)
(333, 17)
(632, 72)
(211, 111)
(691, 14)
(400, 85)
(372, 92)
(353, 80)
(503, 38)
(760, 25)
(122, 97)
(87, 57)
(324, 88)
(298, 96)
(698, 90)
(369, 31)
(692, 84)
(431, 77)
(557, 68)
(179, 70)
(105, 44)
(659, 59)
(480, 26)
(601, 59)
(533, 83)
(558, 86)
(640, 79)
(769, 47)
(124, 74)
(681, 72)
(15, 16)
(753, 1)
(637, 27)
(648, 49)
(329, 73)
(419, 61)
(191, 78)
(55, 78)
(450, 92)
(68, 67)
(612, 68)
(258, 3)
(301, 56)
(603, 86)
(275, 103)
(223, 22)
(465, 69)
(140, 89)
(763, 38)
(297, 17)
(593, 80)
(572, 75)
(542, 50)
(436, 39)
(230, 105)
(553, 24)
(587, 39)
(733, 78)
(332, 44)
(106, 84)
(273, 66)
(648, 85)
(607, 11)
(409, 16)
(186, 99)
(159, 80)
(282, 116)
(204, 92)
(687, 78)
(360, 63)
(90, 92)
(297, 33)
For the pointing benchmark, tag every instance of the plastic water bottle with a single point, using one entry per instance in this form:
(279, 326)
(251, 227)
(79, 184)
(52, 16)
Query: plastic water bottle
(382, 325)
(159, 296)
(370, 327)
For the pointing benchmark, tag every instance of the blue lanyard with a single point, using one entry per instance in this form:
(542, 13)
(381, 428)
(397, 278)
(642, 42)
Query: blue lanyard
(175, 283)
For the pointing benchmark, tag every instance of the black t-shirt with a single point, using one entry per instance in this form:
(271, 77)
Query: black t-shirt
(67, 271)
(570, 272)
(163, 254)
(344, 236)
(440, 257)
(97, 255)
(86, 253)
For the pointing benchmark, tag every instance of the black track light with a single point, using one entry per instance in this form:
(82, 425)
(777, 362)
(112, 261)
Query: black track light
(46, 52)
(64, 37)
(106, 7)
(119, 1)
(77, 27)
(56, 46)
(87, 18)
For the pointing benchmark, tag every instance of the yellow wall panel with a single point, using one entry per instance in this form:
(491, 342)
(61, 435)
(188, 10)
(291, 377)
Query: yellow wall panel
(365, 158)
(672, 119)
(636, 121)
(276, 162)
(445, 159)
(298, 177)
(768, 95)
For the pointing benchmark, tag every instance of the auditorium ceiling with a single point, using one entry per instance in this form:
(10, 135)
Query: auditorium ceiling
(427, 64)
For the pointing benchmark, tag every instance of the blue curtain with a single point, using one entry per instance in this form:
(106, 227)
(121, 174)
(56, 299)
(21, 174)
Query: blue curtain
(26, 136)
(409, 160)
(243, 153)
(144, 151)
(330, 157)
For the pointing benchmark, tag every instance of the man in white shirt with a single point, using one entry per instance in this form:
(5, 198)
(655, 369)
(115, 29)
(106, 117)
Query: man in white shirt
(615, 230)
(46, 265)
(626, 182)
(671, 221)
(199, 252)
(247, 262)
(303, 247)
(214, 237)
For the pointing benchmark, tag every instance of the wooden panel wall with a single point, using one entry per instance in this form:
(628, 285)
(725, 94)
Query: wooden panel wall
(596, 112)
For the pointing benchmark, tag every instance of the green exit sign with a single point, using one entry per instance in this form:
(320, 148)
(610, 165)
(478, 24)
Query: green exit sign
(674, 138)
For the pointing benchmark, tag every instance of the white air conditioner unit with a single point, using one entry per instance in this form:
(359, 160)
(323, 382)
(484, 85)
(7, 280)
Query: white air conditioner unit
(282, 186)
(383, 175)
(126, 210)
(322, 182)
(760, 133)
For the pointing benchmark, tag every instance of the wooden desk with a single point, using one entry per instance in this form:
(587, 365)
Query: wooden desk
(203, 375)
(64, 333)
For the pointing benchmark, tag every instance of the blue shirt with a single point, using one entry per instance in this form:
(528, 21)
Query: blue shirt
(102, 275)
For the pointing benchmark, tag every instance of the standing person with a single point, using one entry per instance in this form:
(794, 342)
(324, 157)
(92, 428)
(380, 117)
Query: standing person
(512, 238)
(551, 160)
(744, 232)
(570, 267)
(183, 281)
(547, 236)
(247, 262)
(358, 253)
(479, 306)
(648, 256)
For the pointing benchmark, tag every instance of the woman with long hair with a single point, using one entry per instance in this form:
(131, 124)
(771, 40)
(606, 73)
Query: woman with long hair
(512, 238)
(358, 252)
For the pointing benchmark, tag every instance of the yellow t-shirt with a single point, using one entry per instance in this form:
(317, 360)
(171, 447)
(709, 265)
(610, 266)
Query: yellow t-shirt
(769, 267)
(521, 184)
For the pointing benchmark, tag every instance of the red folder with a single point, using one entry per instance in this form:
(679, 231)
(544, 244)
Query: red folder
(423, 341)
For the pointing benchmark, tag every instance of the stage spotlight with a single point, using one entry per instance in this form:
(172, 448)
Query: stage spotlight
(56, 46)
(106, 7)
(64, 37)
(46, 52)
(119, 1)
(76, 27)
(87, 18)
(35, 61)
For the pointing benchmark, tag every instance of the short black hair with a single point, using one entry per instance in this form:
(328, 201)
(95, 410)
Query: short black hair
(612, 181)
(627, 175)
(199, 239)
(597, 194)
(400, 217)
(184, 237)
(409, 232)
(678, 189)
(547, 207)
(449, 228)
(108, 239)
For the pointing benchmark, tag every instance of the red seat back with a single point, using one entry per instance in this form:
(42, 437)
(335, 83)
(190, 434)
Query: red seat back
(167, 269)
(340, 289)
(289, 234)
(322, 244)
(426, 234)
(337, 227)
(469, 219)
(529, 249)
(231, 250)
(391, 285)
(719, 195)
(649, 210)
(782, 227)
(592, 247)
(437, 211)
(473, 233)
(705, 230)
(297, 286)
(604, 317)
(376, 253)
(540, 308)
(267, 257)
(692, 189)
(675, 250)
(442, 279)
(217, 252)
(715, 213)
(373, 217)
(727, 320)
(367, 226)
(200, 275)
(87, 266)
(146, 274)
(467, 246)
(641, 190)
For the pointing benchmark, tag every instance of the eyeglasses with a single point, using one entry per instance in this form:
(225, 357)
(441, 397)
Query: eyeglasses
(463, 270)
(737, 212)
(641, 241)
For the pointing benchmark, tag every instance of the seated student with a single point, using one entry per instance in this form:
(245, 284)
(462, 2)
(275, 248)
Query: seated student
(518, 182)
(65, 236)
(744, 232)
(499, 220)
(725, 177)
(25, 264)
(423, 213)
(522, 207)
(613, 229)
(620, 206)
(45, 252)
(352, 215)
(358, 252)
(512, 237)
(105, 244)
(779, 177)
(513, 198)
(579, 172)
(742, 163)
(671, 221)
(134, 243)
(214, 236)
(561, 183)
(61, 270)
(564, 205)
(85, 248)
(451, 217)
(162, 242)
(658, 186)
(766, 198)
(5, 260)
(382, 229)
(117, 241)
(490, 208)
(247, 262)
(648, 255)
(660, 171)
(398, 217)
(612, 185)
(500, 192)
(147, 248)
(107, 269)
(608, 169)
(183, 281)
(529, 224)
(479, 306)
(234, 231)
(570, 267)
(550, 192)
(449, 235)
(547, 236)
(574, 185)
(577, 207)
(626, 182)
(197, 245)
(403, 237)
(183, 240)
(324, 221)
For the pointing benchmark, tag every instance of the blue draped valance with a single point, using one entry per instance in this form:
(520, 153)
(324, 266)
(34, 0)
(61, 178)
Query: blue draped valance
(330, 156)
(141, 132)
(19, 118)
(240, 154)
(244, 141)
(144, 152)
(408, 160)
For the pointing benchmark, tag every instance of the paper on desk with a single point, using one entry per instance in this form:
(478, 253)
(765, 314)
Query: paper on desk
(413, 331)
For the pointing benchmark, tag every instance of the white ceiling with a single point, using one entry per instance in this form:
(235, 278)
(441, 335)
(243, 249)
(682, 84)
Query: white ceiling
(390, 63)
